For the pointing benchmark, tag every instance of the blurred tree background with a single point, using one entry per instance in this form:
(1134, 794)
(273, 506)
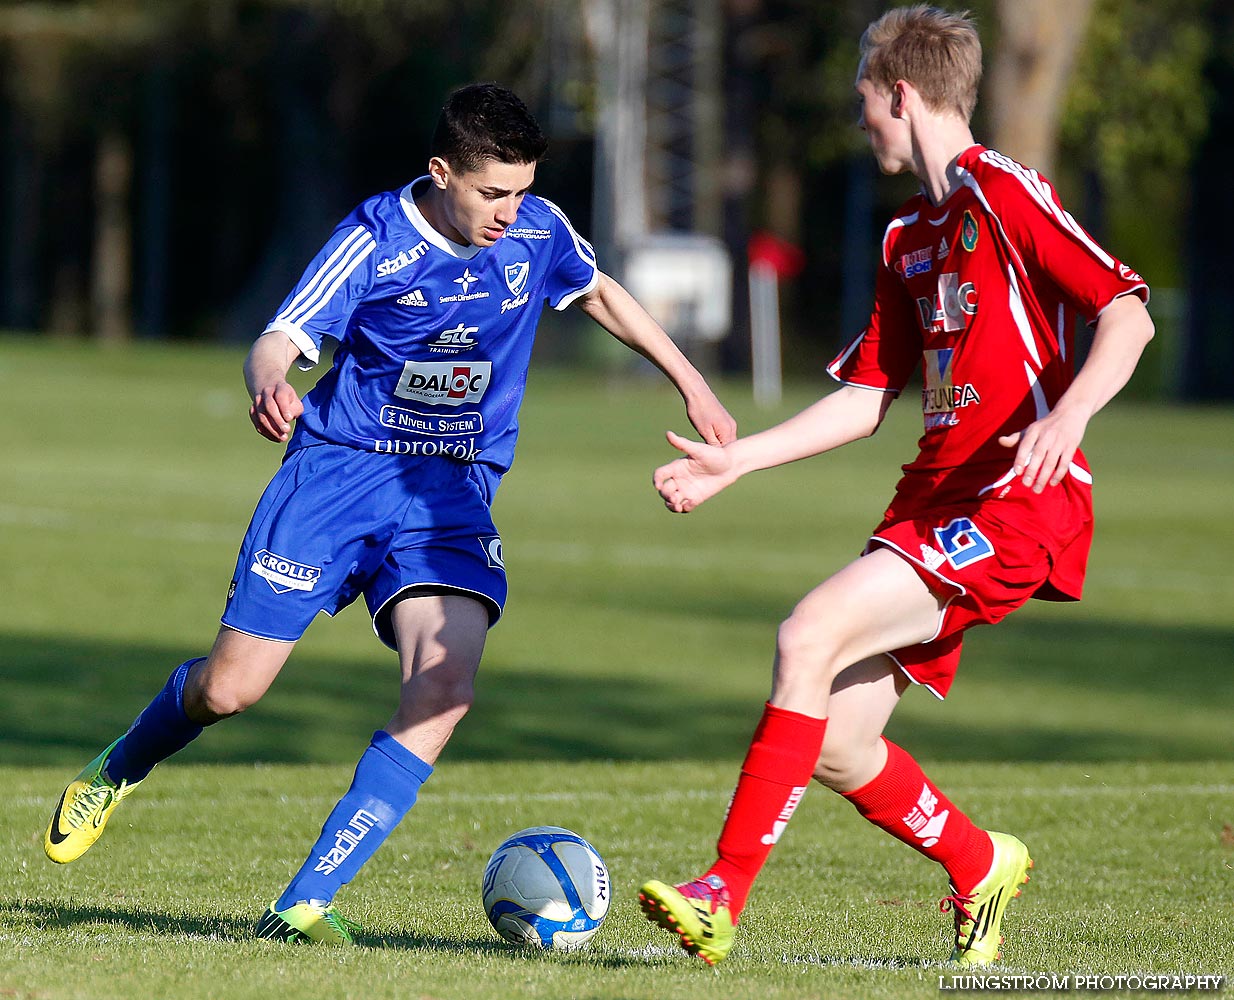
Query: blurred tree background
(169, 166)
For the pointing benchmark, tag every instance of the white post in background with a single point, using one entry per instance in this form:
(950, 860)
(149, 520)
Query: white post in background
(772, 260)
(765, 334)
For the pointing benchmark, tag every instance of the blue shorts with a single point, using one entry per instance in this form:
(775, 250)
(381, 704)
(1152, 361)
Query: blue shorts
(335, 523)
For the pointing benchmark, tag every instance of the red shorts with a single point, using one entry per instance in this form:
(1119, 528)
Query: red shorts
(986, 559)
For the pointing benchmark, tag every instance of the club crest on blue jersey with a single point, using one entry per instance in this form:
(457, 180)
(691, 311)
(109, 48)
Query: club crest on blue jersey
(516, 276)
(284, 574)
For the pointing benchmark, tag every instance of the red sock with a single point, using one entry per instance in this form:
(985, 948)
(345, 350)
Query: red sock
(775, 774)
(908, 805)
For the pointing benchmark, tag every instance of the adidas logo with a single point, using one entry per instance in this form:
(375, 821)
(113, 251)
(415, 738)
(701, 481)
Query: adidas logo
(413, 298)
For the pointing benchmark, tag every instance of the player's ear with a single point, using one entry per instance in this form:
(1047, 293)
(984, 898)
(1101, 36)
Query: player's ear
(439, 172)
(899, 96)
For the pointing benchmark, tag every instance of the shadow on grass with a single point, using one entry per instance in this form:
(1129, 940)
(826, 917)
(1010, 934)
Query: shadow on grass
(411, 941)
(63, 700)
(43, 914)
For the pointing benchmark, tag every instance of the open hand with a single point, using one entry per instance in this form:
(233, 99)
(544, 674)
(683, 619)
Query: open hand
(686, 482)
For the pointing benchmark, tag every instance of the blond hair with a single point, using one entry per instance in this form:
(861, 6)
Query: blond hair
(937, 51)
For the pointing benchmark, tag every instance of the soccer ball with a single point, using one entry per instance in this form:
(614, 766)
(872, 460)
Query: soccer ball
(546, 887)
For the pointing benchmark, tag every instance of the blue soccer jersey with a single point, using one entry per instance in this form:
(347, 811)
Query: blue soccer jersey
(434, 338)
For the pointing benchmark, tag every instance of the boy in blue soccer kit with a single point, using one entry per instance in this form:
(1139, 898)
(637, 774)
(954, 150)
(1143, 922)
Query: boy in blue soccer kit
(432, 294)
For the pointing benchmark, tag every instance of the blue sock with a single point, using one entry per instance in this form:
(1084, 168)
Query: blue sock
(160, 730)
(387, 780)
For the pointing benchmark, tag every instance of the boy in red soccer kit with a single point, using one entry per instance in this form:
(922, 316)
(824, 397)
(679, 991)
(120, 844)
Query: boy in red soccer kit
(983, 273)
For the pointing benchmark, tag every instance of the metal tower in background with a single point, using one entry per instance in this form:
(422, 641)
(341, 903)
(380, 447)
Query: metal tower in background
(658, 201)
(683, 115)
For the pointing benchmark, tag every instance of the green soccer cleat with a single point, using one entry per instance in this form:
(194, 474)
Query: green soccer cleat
(311, 921)
(83, 811)
(697, 912)
(979, 914)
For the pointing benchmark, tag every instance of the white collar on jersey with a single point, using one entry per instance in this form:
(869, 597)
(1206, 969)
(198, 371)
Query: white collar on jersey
(417, 219)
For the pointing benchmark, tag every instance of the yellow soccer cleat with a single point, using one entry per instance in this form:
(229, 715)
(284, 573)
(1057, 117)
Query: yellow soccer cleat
(979, 914)
(83, 811)
(311, 921)
(697, 912)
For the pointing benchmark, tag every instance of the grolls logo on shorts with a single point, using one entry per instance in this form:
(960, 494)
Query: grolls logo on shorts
(283, 574)
(446, 382)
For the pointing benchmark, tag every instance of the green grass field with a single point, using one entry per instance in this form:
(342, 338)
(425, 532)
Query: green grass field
(616, 698)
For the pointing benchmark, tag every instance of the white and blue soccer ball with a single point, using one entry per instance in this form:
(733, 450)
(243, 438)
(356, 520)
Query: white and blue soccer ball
(546, 887)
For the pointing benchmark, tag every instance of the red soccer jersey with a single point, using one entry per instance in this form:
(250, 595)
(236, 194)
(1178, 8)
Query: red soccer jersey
(983, 290)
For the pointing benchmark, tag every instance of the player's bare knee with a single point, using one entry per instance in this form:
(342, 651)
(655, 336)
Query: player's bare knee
(447, 689)
(804, 652)
(836, 767)
(848, 760)
(208, 703)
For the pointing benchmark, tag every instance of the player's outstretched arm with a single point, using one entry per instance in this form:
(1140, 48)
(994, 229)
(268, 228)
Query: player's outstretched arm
(615, 309)
(848, 414)
(275, 403)
(1045, 448)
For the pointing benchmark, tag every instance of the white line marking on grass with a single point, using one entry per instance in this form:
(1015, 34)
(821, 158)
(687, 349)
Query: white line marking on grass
(664, 557)
(1124, 791)
(496, 798)
(502, 798)
(870, 965)
(65, 521)
(1141, 579)
(807, 563)
(672, 557)
(651, 951)
(188, 531)
(37, 518)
